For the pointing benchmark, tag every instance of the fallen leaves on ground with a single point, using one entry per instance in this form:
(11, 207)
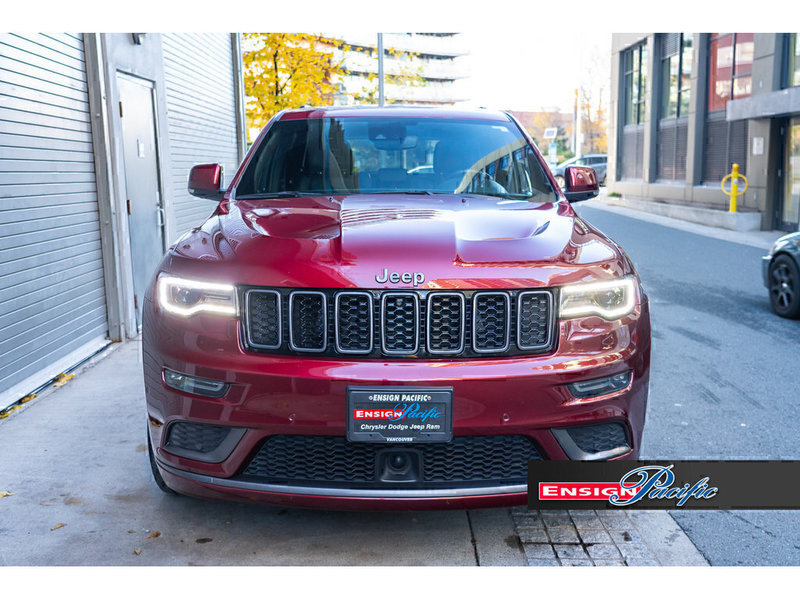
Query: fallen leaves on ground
(4, 493)
(138, 551)
(62, 379)
(58, 526)
(155, 534)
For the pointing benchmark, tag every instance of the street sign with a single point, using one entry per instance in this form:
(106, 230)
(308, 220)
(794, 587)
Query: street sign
(552, 152)
(551, 133)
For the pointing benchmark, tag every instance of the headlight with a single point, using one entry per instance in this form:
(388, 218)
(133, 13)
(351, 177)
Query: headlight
(186, 297)
(608, 299)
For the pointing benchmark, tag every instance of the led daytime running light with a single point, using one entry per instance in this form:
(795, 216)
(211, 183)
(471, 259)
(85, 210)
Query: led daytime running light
(583, 299)
(218, 298)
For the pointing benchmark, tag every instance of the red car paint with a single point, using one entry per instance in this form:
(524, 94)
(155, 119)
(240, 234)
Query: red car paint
(345, 242)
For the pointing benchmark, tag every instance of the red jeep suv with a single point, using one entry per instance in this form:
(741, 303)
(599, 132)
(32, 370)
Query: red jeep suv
(390, 308)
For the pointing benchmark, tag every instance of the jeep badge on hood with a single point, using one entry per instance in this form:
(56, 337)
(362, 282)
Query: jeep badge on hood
(415, 278)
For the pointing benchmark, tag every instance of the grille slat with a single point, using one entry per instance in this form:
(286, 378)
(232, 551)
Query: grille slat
(400, 323)
(491, 317)
(264, 318)
(308, 329)
(331, 460)
(445, 329)
(403, 323)
(533, 320)
(354, 322)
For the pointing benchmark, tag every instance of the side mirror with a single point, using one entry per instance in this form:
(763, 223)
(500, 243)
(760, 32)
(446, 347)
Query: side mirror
(205, 181)
(580, 183)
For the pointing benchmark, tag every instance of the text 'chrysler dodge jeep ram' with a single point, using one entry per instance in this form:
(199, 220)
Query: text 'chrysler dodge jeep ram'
(391, 308)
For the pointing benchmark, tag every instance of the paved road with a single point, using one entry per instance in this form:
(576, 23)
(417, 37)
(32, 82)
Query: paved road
(725, 375)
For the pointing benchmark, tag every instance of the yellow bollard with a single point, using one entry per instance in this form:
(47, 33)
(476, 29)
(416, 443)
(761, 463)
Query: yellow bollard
(734, 176)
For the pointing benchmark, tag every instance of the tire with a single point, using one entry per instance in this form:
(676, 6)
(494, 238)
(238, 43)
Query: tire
(560, 181)
(154, 468)
(784, 287)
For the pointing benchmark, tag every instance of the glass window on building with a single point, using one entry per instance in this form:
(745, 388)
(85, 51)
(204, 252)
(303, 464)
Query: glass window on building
(790, 211)
(792, 61)
(634, 82)
(635, 66)
(676, 73)
(730, 68)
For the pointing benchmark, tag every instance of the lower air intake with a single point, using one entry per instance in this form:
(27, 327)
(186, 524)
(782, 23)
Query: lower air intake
(326, 460)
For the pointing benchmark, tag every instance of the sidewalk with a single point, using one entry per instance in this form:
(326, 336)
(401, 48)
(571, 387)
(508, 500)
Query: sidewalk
(604, 538)
(75, 466)
(757, 239)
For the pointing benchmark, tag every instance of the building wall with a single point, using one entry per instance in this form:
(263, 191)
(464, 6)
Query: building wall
(66, 279)
(433, 56)
(202, 117)
(757, 115)
(52, 286)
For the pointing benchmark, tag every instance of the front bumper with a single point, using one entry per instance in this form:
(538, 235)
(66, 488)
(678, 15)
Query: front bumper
(765, 263)
(305, 396)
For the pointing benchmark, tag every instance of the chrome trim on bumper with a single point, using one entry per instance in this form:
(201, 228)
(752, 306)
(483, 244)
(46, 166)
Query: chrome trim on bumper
(347, 492)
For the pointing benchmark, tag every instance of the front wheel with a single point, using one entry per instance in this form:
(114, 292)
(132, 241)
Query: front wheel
(784, 287)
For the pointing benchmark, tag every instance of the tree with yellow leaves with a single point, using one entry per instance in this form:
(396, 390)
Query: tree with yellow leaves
(287, 70)
(595, 127)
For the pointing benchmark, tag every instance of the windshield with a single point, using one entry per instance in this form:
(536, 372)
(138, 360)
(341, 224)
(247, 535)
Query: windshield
(355, 155)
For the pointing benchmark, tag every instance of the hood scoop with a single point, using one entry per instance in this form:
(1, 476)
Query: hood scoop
(293, 223)
(498, 225)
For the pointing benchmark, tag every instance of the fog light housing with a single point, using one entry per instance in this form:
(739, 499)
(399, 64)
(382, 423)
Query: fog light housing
(201, 441)
(592, 388)
(195, 385)
(600, 441)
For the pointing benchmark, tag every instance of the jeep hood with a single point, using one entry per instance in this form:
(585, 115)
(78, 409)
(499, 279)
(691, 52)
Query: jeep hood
(455, 241)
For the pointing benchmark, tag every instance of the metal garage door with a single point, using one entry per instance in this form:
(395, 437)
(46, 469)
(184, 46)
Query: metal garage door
(52, 299)
(201, 115)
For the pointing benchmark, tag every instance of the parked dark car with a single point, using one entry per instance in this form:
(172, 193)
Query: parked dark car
(599, 162)
(391, 308)
(781, 270)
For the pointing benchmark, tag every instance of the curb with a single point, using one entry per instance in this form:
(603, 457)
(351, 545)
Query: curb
(665, 538)
(757, 239)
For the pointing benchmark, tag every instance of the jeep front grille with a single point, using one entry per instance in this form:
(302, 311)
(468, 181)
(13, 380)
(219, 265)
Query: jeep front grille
(399, 323)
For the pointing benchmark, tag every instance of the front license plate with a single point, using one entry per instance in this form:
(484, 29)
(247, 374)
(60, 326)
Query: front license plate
(402, 415)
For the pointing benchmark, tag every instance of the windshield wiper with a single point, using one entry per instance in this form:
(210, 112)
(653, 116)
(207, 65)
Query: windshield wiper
(411, 192)
(269, 195)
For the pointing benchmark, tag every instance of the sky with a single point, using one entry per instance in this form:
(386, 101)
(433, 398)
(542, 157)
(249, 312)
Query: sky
(537, 72)
(523, 54)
